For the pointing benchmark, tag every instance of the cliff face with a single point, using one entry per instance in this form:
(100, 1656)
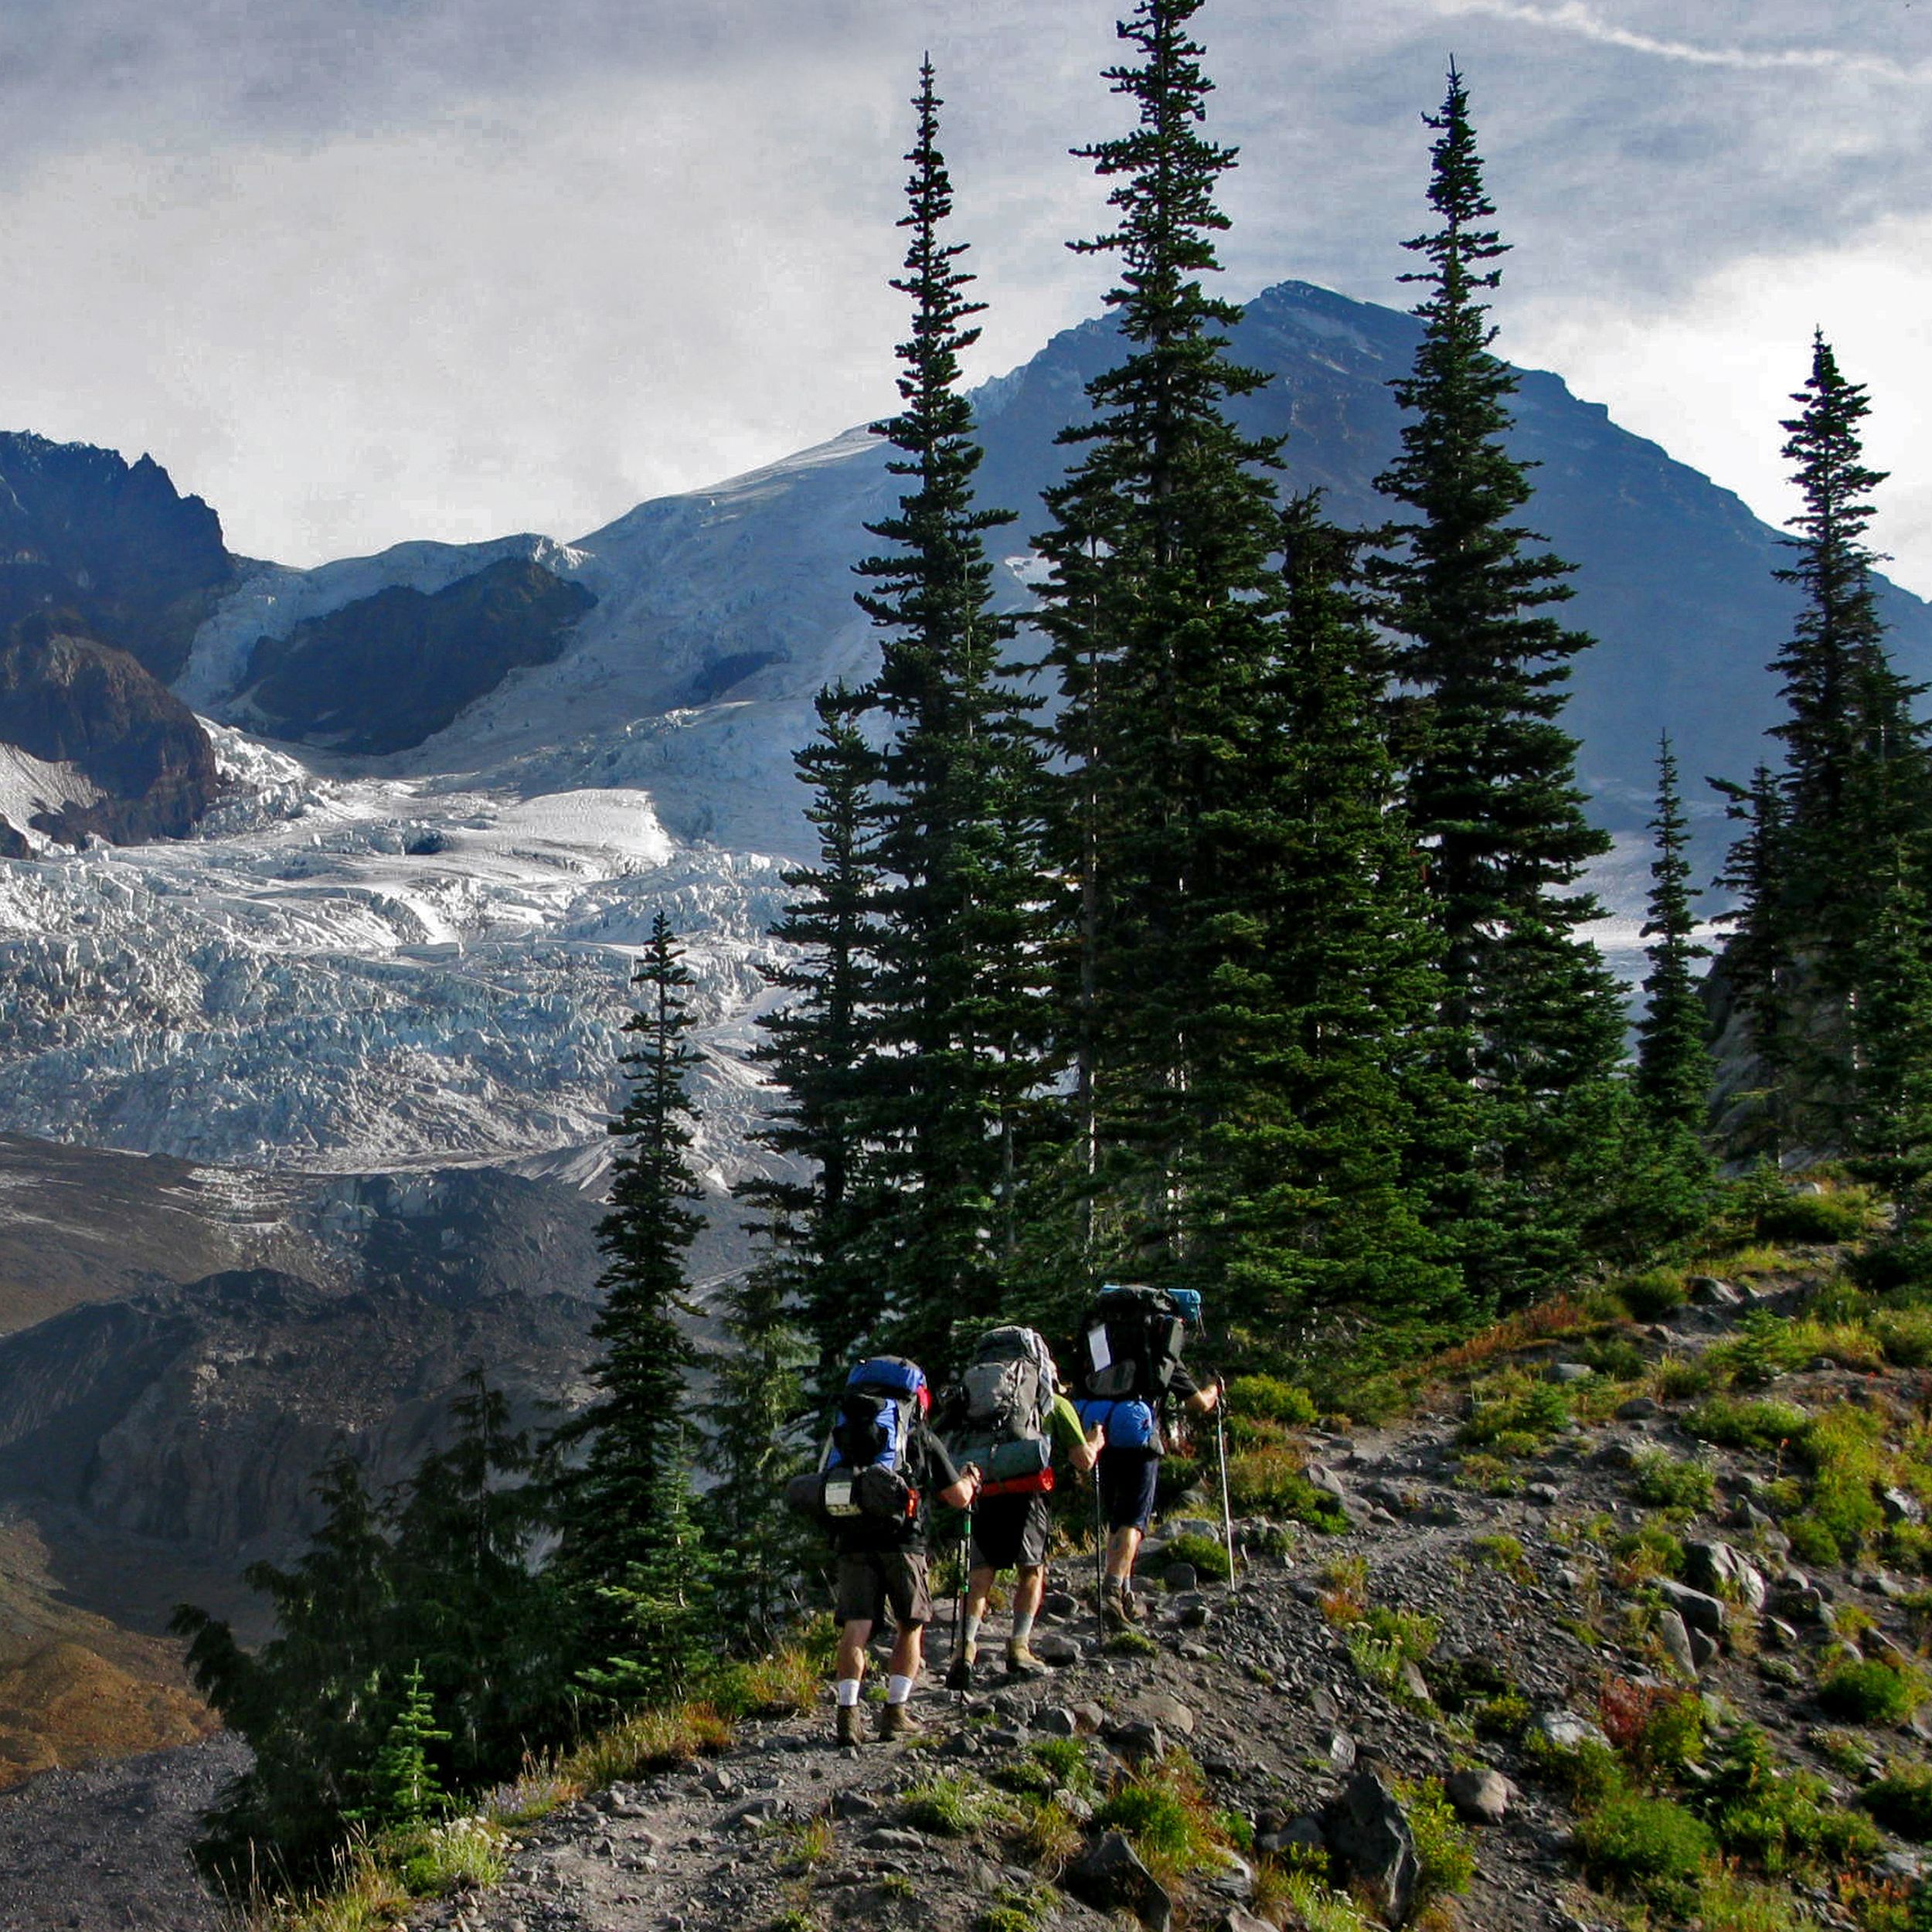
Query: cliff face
(84, 531)
(69, 700)
(163, 1441)
(385, 672)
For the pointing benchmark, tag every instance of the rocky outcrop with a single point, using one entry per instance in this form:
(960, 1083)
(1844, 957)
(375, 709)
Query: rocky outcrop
(386, 671)
(182, 1429)
(81, 530)
(139, 763)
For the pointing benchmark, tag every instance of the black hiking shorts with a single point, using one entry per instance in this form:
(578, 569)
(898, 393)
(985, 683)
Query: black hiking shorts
(1011, 1532)
(1128, 1478)
(869, 1580)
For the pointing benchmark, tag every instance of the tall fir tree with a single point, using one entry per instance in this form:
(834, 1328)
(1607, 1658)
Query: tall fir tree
(1329, 999)
(1160, 607)
(1854, 787)
(817, 1052)
(1491, 788)
(958, 1023)
(1753, 977)
(1673, 1063)
(1891, 1122)
(634, 1434)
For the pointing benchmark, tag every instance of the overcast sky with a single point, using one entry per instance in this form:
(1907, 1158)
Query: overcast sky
(363, 270)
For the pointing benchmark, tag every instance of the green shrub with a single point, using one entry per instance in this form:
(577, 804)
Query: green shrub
(1906, 1335)
(1266, 1481)
(958, 1806)
(1753, 1424)
(1842, 1216)
(1272, 1399)
(1649, 1550)
(1811, 1543)
(1589, 1773)
(1874, 1692)
(1657, 1730)
(1764, 1348)
(432, 1861)
(1660, 1481)
(1209, 1557)
(1680, 1377)
(1443, 1848)
(1775, 1814)
(1649, 1846)
(1616, 1358)
(1511, 1409)
(1651, 1295)
(1902, 1800)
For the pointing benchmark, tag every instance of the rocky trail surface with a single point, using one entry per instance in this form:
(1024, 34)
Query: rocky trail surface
(1300, 1729)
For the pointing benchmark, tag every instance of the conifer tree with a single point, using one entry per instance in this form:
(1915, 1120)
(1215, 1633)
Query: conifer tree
(817, 1050)
(406, 1791)
(479, 1619)
(760, 1397)
(1854, 787)
(634, 1433)
(1329, 997)
(953, 1053)
(1892, 1120)
(1491, 788)
(1674, 1065)
(1755, 970)
(1159, 607)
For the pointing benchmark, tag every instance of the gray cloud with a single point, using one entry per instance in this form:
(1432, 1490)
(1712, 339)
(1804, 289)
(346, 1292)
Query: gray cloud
(361, 270)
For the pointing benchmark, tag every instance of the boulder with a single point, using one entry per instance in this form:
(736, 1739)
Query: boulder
(1708, 1292)
(1566, 1730)
(1480, 1796)
(1674, 1636)
(1368, 1834)
(1110, 1876)
(1714, 1565)
(1182, 1576)
(1699, 1610)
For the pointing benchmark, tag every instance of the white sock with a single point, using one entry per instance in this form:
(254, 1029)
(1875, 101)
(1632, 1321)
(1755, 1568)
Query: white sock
(972, 1626)
(1022, 1626)
(847, 1689)
(898, 1689)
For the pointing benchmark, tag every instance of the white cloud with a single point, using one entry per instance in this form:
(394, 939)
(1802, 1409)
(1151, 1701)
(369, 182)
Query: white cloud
(1573, 17)
(1711, 375)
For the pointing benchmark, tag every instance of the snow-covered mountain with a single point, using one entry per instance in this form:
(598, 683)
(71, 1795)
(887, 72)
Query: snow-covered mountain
(362, 961)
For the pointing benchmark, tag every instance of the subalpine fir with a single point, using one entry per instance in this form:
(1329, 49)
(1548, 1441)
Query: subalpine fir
(634, 1433)
(1533, 1018)
(1160, 607)
(1338, 1107)
(956, 1020)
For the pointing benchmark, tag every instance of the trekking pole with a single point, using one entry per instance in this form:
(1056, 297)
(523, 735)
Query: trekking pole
(1221, 1458)
(959, 1603)
(1099, 1547)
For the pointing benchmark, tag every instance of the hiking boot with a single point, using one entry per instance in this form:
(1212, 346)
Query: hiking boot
(851, 1725)
(1129, 1604)
(959, 1676)
(895, 1720)
(1114, 1614)
(1021, 1662)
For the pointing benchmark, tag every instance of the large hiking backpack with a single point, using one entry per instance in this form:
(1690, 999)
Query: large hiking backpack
(1130, 1343)
(1006, 1398)
(865, 1470)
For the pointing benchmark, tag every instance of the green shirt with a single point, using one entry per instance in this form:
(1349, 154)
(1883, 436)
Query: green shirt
(1064, 1429)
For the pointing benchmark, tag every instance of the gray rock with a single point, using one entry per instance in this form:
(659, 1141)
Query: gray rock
(1708, 1292)
(1235, 1919)
(1182, 1576)
(1714, 1565)
(1673, 1635)
(1303, 1834)
(1480, 1796)
(1545, 1493)
(849, 1804)
(1570, 1372)
(720, 1782)
(1341, 1751)
(754, 1810)
(1192, 1526)
(1110, 1876)
(1566, 1731)
(1900, 1506)
(1699, 1611)
(892, 1837)
(1056, 1721)
(1319, 1476)
(1369, 1835)
(1056, 1648)
(1168, 1711)
(1138, 1738)
(1639, 1409)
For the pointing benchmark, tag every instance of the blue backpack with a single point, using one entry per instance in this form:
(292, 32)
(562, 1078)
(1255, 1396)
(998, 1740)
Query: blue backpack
(1129, 1422)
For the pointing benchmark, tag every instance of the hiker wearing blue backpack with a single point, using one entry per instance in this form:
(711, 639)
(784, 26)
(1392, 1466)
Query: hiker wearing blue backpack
(1006, 1419)
(874, 1490)
(1130, 1371)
